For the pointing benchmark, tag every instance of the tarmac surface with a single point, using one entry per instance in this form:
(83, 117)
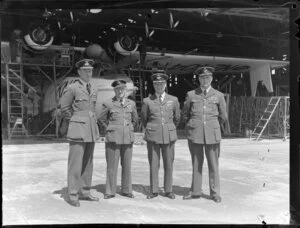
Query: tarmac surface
(254, 187)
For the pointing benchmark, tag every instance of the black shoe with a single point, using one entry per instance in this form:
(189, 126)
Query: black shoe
(89, 198)
(170, 195)
(152, 195)
(190, 196)
(74, 203)
(217, 199)
(129, 195)
(107, 196)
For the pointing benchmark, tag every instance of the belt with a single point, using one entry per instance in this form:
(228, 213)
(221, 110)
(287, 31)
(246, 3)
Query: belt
(84, 113)
(159, 123)
(204, 119)
(118, 123)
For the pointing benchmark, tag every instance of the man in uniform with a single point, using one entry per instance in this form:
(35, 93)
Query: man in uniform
(118, 116)
(204, 111)
(160, 116)
(80, 124)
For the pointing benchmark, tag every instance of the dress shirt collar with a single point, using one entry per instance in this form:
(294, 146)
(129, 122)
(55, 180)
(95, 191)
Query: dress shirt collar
(83, 82)
(162, 95)
(121, 99)
(207, 90)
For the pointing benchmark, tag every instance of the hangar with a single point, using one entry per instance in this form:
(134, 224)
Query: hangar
(246, 41)
(249, 47)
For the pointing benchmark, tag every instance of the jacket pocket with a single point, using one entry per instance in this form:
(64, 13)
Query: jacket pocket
(217, 133)
(192, 123)
(132, 137)
(113, 114)
(151, 127)
(150, 133)
(172, 132)
(110, 128)
(213, 105)
(195, 106)
(150, 130)
(110, 134)
(171, 126)
(78, 127)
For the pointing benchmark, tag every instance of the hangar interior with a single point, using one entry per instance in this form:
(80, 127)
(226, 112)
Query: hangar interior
(40, 46)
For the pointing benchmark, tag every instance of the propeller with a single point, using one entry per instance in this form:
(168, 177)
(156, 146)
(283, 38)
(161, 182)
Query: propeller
(148, 35)
(172, 23)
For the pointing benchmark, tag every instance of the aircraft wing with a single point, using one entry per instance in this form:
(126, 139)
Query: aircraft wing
(186, 64)
(260, 69)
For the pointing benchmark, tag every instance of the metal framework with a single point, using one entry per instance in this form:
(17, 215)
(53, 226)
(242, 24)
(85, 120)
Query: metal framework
(263, 13)
(267, 115)
(18, 86)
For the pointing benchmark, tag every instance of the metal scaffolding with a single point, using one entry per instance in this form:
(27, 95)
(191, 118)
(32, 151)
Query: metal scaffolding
(15, 84)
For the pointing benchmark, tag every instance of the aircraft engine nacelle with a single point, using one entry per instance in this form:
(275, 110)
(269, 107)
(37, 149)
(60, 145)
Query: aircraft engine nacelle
(123, 43)
(95, 51)
(101, 85)
(39, 36)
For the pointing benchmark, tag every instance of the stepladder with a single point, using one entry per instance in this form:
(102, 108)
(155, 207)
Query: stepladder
(15, 96)
(18, 128)
(138, 81)
(265, 118)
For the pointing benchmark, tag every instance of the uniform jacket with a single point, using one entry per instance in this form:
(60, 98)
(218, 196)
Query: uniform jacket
(78, 108)
(160, 119)
(118, 120)
(203, 115)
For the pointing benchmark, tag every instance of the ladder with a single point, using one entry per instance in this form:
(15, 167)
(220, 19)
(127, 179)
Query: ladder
(136, 75)
(265, 118)
(137, 79)
(15, 95)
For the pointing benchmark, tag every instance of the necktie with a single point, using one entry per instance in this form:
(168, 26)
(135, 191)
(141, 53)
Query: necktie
(205, 92)
(160, 98)
(122, 102)
(88, 87)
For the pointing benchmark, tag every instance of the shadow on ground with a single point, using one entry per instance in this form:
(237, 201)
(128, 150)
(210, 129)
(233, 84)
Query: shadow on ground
(62, 192)
(144, 189)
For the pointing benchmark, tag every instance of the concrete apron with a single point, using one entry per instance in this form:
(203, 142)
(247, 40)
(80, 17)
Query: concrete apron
(254, 187)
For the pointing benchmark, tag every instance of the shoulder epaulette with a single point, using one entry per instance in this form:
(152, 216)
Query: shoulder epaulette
(79, 81)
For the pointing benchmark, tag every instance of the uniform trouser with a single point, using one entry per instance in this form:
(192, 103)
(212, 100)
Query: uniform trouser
(212, 152)
(113, 152)
(80, 169)
(167, 151)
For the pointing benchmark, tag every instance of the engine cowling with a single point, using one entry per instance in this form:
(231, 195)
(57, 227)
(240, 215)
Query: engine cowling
(123, 43)
(39, 36)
